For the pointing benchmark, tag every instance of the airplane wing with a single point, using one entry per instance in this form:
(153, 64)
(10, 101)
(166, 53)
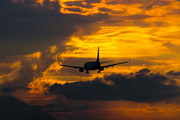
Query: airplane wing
(115, 64)
(105, 62)
(69, 65)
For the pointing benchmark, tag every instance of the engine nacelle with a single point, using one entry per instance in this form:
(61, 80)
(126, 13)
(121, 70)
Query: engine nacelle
(81, 69)
(101, 68)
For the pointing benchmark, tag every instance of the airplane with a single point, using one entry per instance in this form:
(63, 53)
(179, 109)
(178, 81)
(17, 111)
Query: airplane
(95, 65)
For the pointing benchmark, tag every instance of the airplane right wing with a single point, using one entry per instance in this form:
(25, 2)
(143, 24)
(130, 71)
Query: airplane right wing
(105, 62)
(115, 64)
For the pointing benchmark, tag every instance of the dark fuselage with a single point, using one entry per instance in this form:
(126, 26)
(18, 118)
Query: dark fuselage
(91, 65)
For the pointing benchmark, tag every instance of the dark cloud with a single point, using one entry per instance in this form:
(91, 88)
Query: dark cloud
(28, 27)
(51, 106)
(93, 1)
(129, 20)
(143, 86)
(112, 2)
(74, 9)
(5, 69)
(154, 3)
(26, 73)
(144, 4)
(173, 73)
(7, 90)
(172, 46)
(136, 20)
(161, 3)
(147, 7)
(141, 24)
(38, 106)
(105, 9)
(61, 104)
(25, 76)
(126, 2)
(136, 17)
(160, 24)
(83, 107)
(174, 12)
(78, 3)
(12, 108)
(144, 70)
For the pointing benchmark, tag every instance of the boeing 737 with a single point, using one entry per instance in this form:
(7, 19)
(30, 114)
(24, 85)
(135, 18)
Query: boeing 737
(96, 65)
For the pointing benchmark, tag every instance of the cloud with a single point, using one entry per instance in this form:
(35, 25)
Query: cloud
(155, 3)
(142, 86)
(172, 46)
(51, 106)
(144, 70)
(104, 9)
(93, 1)
(20, 78)
(173, 73)
(142, 2)
(77, 3)
(74, 9)
(24, 76)
(126, 2)
(174, 12)
(5, 69)
(28, 27)
(136, 17)
(83, 107)
(7, 90)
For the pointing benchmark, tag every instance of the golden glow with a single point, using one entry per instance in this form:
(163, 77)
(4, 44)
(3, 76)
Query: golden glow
(132, 30)
(40, 1)
(34, 66)
(53, 49)
(34, 55)
(38, 85)
(9, 77)
(55, 66)
(111, 40)
(16, 65)
(124, 36)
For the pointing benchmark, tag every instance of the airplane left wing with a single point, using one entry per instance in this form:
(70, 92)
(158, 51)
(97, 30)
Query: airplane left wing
(70, 65)
(115, 64)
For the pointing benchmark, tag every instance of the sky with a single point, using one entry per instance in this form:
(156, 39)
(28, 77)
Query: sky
(36, 34)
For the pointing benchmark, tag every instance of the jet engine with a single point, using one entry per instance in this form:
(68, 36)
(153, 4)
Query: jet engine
(101, 68)
(81, 69)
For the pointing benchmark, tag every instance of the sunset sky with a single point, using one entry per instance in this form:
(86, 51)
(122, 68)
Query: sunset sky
(35, 34)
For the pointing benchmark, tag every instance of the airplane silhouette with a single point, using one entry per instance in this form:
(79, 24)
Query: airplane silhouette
(94, 65)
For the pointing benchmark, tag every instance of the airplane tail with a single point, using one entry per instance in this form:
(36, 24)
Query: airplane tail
(98, 56)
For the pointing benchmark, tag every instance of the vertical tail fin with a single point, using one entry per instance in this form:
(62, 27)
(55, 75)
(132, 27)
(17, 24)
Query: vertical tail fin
(98, 56)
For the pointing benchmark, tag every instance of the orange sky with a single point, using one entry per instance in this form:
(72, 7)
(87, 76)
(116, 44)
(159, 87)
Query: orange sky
(145, 31)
